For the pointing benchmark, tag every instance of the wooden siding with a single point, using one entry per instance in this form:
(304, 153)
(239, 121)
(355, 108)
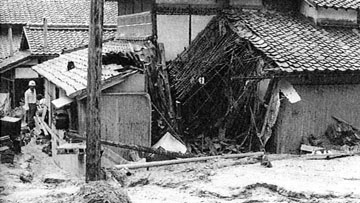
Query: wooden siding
(126, 118)
(313, 113)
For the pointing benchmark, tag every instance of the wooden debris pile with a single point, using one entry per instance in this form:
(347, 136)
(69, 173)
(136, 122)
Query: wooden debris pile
(342, 133)
(218, 114)
(339, 137)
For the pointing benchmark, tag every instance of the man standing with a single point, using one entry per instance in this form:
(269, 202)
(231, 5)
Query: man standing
(30, 104)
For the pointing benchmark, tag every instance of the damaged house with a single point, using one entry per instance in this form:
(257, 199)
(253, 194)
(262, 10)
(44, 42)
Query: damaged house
(125, 107)
(264, 79)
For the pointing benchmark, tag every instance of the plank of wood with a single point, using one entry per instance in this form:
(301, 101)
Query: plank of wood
(188, 160)
(328, 156)
(271, 115)
(136, 147)
(309, 148)
(40, 123)
(48, 129)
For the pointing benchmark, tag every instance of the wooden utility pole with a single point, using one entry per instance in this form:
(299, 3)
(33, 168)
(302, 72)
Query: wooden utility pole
(93, 130)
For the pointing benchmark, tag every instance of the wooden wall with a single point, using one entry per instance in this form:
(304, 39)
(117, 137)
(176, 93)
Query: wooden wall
(126, 117)
(313, 113)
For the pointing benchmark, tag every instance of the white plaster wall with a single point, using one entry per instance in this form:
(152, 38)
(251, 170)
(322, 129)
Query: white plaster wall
(255, 3)
(173, 31)
(25, 73)
(308, 11)
(339, 14)
(186, 1)
(328, 13)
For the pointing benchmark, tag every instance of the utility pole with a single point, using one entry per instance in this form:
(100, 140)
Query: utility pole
(93, 130)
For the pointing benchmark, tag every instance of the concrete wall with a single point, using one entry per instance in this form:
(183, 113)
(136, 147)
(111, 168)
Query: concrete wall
(312, 114)
(173, 31)
(329, 16)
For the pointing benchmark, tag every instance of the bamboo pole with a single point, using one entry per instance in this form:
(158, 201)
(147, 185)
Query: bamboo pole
(188, 160)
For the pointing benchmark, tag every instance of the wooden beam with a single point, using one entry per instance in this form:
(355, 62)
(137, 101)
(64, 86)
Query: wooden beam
(93, 124)
(136, 147)
(188, 160)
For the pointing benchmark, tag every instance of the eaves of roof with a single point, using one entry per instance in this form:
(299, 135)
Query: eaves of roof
(15, 60)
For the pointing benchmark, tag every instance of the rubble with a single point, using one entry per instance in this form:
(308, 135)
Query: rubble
(26, 177)
(342, 133)
(100, 192)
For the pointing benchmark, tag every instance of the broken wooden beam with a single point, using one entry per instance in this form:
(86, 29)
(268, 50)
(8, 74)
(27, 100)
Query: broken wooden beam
(328, 156)
(187, 160)
(137, 147)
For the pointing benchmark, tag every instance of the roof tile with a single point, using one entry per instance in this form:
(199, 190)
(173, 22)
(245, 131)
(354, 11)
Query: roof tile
(56, 11)
(295, 44)
(59, 39)
(75, 80)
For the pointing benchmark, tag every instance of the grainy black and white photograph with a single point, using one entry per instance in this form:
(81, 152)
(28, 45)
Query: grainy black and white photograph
(180, 101)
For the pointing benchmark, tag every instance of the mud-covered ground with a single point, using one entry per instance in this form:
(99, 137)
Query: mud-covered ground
(291, 179)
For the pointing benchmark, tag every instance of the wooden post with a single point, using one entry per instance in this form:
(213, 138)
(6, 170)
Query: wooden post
(93, 130)
(45, 33)
(190, 24)
(10, 35)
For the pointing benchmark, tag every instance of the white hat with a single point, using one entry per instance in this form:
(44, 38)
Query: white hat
(32, 83)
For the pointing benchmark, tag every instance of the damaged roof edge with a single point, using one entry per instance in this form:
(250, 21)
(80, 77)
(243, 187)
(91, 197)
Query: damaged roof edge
(82, 94)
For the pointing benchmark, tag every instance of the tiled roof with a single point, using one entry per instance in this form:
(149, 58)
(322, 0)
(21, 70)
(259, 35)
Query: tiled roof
(59, 39)
(5, 44)
(56, 11)
(74, 81)
(17, 58)
(297, 45)
(346, 4)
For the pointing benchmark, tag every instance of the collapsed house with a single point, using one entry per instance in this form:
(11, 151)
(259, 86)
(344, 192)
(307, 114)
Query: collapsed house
(263, 79)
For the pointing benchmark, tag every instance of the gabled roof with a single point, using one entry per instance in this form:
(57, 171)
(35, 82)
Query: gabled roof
(297, 45)
(56, 11)
(60, 39)
(74, 81)
(345, 4)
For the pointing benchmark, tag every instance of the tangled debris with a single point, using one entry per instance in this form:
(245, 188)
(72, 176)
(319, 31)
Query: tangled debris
(214, 107)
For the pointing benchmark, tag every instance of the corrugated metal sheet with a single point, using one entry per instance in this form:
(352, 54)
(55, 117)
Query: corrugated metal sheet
(313, 113)
(126, 117)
